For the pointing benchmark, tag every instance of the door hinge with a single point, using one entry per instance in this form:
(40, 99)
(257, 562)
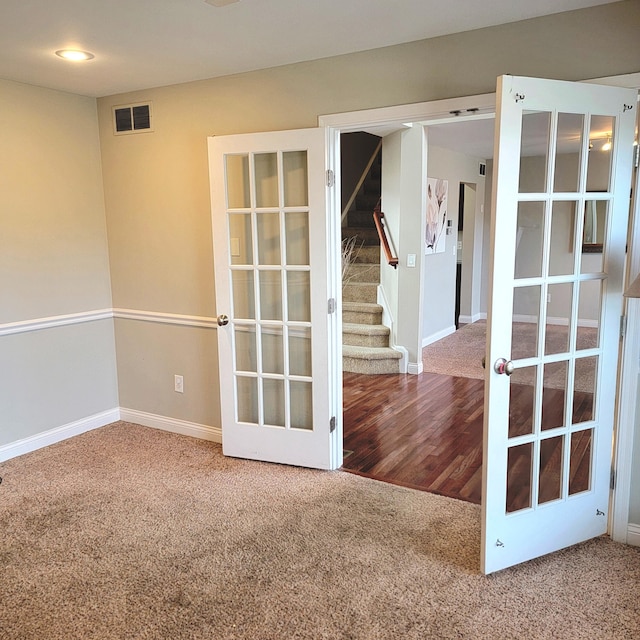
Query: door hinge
(331, 307)
(623, 326)
(331, 178)
(332, 424)
(612, 480)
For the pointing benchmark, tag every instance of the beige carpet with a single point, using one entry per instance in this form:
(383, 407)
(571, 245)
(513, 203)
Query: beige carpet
(460, 354)
(128, 532)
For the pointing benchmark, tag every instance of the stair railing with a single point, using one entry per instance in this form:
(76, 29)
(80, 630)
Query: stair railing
(378, 216)
(361, 181)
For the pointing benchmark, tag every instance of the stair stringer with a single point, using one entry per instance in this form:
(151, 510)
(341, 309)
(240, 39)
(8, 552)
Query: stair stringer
(387, 321)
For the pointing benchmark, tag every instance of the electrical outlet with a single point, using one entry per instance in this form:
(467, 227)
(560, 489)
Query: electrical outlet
(178, 384)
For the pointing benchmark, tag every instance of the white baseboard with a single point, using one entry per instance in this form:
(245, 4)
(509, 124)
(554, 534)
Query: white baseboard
(471, 319)
(415, 368)
(46, 438)
(633, 535)
(193, 429)
(434, 337)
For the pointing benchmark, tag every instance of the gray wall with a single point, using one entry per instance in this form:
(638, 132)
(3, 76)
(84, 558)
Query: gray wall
(53, 262)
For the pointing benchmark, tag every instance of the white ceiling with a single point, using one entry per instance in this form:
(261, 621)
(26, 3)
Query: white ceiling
(147, 43)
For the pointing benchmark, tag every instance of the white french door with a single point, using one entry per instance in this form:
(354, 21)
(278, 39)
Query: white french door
(561, 202)
(276, 323)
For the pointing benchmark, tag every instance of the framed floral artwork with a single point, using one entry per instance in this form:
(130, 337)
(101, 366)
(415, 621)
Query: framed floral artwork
(435, 233)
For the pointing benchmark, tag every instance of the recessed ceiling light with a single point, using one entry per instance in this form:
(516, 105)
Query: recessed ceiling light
(74, 54)
(221, 3)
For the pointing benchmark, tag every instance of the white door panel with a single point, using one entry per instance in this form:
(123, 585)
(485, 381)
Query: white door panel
(270, 228)
(560, 208)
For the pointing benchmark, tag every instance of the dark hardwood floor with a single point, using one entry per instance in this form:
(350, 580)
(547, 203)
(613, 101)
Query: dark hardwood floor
(425, 432)
(420, 431)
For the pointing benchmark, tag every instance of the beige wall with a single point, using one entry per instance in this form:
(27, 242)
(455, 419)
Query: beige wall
(53, 261)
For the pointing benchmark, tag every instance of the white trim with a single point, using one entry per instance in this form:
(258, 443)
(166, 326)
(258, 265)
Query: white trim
(174, 425)
(471, 319)
(553, 320)
(415, 368)
(57, 434)
(166, 318)
(387, 321)
(438, 335)
(633, 535)
(401, 114)
(36, 324)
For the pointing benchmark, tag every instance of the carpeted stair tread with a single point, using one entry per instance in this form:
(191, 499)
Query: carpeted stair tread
(370, 353)
(360, 292)
(369, 329)
(367, 307)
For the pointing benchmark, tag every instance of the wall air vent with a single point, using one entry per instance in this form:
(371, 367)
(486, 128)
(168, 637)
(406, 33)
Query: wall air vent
(482, 169)
(132, 118)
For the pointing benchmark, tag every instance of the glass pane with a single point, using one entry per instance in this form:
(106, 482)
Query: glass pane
(519, 481)
(563, 238)
(559, 301)
(296, 191)
(526, 316)
(266, 167)
(568, 152)
(301, 405)
(240, 240)
(238, 182)
(245, 348)
(272, 350)
(593, 235)
(273, 396)
(589, 308)
(247, 399)
(580, 461)
(553, 394)
(268, 232)
(584, 386)
(600, 153)
(529, 239)
(522, 396)
(244, 304)
(534, 151)
(550, 479)
(299, 296)
(300, 351)
(270, 295)
(297, 237)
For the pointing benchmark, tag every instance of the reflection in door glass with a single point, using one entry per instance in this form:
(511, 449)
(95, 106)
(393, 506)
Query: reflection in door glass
(529, 239)
(240, 238)
(559, 301)
(245, 348)
(563, 238)
(301, 405)
(522, 401)
(525, 319)
(270, 295)
(268, 232)
(601, 141)
(534, 151)
(584, 389)
(568, 152)
(519, 481)
(580, 461)
(272, 350)
(550, 477)
(554, 394)
(589, 313)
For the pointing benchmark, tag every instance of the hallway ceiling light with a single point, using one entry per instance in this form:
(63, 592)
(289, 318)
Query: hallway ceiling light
(607, 145)
(74, 54)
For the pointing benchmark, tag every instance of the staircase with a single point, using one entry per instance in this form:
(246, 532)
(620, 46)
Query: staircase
(365, 340)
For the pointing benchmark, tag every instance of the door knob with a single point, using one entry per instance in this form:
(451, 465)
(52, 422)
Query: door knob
(503, 366)
(222, 320)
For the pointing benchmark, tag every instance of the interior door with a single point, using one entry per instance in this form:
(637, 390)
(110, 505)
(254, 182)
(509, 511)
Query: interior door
(270, 229)
(561, 201)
